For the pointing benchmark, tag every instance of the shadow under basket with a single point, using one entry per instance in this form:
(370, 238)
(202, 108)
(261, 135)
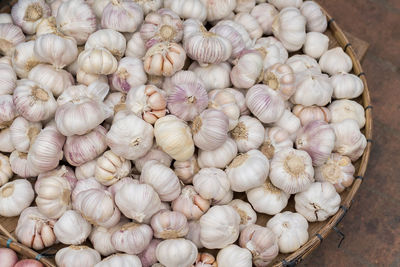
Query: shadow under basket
(318, 230)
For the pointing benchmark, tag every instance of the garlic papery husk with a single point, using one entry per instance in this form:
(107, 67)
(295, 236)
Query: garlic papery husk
(135, 46)
(162, 179)
(187, 9)
(275, 139)
(291, 229)
(289, 122)
(240, 100)
(211, 183)
(219, 227)
(19, 164)
(190, 203)
(247, 215)
(72, 228)
(130, 137)
(316, 19)
(210, 129)
(33, 102)
(250, 23)
(317, 138)
(291, 170)
(129, 74)
(15, 196)
(116, 102)
(318, 202)
(149, 5)
(281, 78)
(337, 170)
(57, 50)
(174, 136)
(265, 103)
(347, 109)
(349, 139)
(147, 102)
(289, 27)
(248, 134)
(98, 6)
(346, 85)
(77, 256)
(247, 71)
(234, 256)
(47, 25)
(97, 60)
(110, 168)
(313, 89)
(194, 233)
(312, 113)
(138, 201)
(35, 230)
(176, 252)
(5, 141)
(335, 61)
(169, 224)
(262, 243)
(164, 59)
(218, 10)
(155, 153)
(8, 79)
(5, 169)
(247, 171)
(272, 51)
(316, 44)
(120, 260)
(132, 238)
(233, 35)
(185, 170)
(5, 18)
(8, 111)
(122, 16)
(264, 14)
(24, 59)
(281, 4)
(267, 198)
(214, 76)
(109, 39)
(220, 157)
(86, 170)
(204, 46)
(28, 13)
(50, 78)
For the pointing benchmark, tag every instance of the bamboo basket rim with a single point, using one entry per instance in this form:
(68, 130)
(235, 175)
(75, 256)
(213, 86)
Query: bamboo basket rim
(314, 241)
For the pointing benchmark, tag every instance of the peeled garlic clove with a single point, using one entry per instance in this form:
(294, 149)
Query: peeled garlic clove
(187, 9)
(15, 196)
(86, 170)
(248, 134)
(122, 16)
(281, 78)
(77, 256)
(312, 113)
(347, 109)
(123, 260)
(264, 14)
(185, 170)
(214, 76)
(110, 168)
(346, 85)
(316, 44)
(275, 139)
(211, 183)
(349, 139)
(218, 158)
(335, 61)
(250, 24)
(97, 61)
(155, 153)
(71, 228)
(10, 36)
(233, 35)
(234, 256)
(247, 215)
(316, 19)
(8, 79)
(313, 89)
(169, 224)
(132, 238)
(176, 252)
(129, 74)
(247, 71)
(28, 13)
(190, 203)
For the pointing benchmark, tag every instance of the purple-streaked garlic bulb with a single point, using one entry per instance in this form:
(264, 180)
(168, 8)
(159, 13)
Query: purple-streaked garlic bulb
(264, 14)
(281, 78)
(130, 73)
(312, 113)
(148, 256)
(240, 100)
(122, 16)
(28, 13)
(230, 33)
(247, 71)
(272, 50)
(132, 238)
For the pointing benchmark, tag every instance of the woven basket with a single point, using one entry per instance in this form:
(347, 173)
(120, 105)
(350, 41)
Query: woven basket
(317, 231)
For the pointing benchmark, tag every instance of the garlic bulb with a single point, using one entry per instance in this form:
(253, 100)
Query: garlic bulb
(47, 25)
(267, 198)
(57, 50)
(176, 252)
(346, 85)
(121, 260)
(194, 233)
(15, 196)
(234, 256)
(155, 153)
(225, 200)
(316, 19)
(122, 182)
(77, 256)
(349, 139)
(210, 129)
(347, 109)
(272, 51)
(247, 71)
(313, 89)
(97, 61)
(281, 78)
(247, 215)
(303, 65)
(289, 27)
(185, 170)
(318, 202)
(264, 14)
(62, 171)
(337, 170)
(250, 23)
(220, 157)
(265, 103)
(86, 184)
(109, 39)
(86, 170)
(8, 79)
(28, 13)
(187, 9)
(165, 58)
(291, 170)
(240, 100)
(132, 238)
(138, 201)
(335, 61)
(211, 183)
(147, 102)
(289, 122)
(129, 74)
(204, 46)
(312, 113)
(248, 134)
(244, 5)
(122, 16)
(100, 237)
(86, 79)
(98, 6)
(232, 34)
(110, 168)
(5, 18)
(218, 10)
(169, 224)
(135, 47)
(180, 78)
(281, 4)
(19, 164)
(247, 171)
(71, 228)
(190, 203)
(226, 102)
(8, 111)
(115, 101)
(174, 137)
(5, 141)
(275, 139)
(5, 169)
(35, 230)
(149, 5)
(214, 76)
(316, 44)
(24, 58)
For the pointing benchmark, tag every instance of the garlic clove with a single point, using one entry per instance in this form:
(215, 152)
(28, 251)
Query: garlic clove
(190, 203)
(185, 170)
(110, 168)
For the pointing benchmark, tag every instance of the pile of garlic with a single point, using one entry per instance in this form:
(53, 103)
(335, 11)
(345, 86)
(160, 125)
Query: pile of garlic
(140, 121)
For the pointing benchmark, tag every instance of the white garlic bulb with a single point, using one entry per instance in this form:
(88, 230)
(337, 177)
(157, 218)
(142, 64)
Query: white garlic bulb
(303, 65)
(120, 260)
(71, 228)
(155, 153)
(281, 78)
(110, 168)
(272, 51)
(214, 76)
(219, 227)
(8, 111)
(291, 230)
(248, 69)
(86, 184)
(169, 224)
(122, 182)
(149, 5)
(233, 34)
(5, 18)
(19, 164)
(281, 4)
(109, 39)
(264, 14)
(187, 9)
(349, 139)
(86, 79)
(116, 102)
(190, 203)
(234, 256)
(47, 25)
(289, 122)
(97, 6)
(250, 23)
(240, 100)
(194, 233)
(97, 61)
(248, 42)
(248, 134)
(132, 238)
(77, 256)
(86, 170)
(185, 170)
(211, 183)
(5, 141)
(338, 170)
(291, 170)
(100, 237)
(226, 102)
(122, 16)
(5, 169)
(275, 139)
(67, 173)
(28, 13)
(135, 46)
(346, 85)
(335, 61)
(316, 19)
(24, 58)
(15, 196)
(129, 74)
(316, 44)
(311, 113)
(8, 79)
(318, 202)
(220, 157)
(176, 252)
(247, 215)
(225, 200)
(313, 89)
(347, 109)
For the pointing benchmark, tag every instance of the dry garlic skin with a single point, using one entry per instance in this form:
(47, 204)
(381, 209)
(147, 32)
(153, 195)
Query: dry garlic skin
(176, 252)
(122, 16)
(8, 79)
(72, 228)
(28, 13)
(220, 157)
(347, 109)
(77, 256)
(121, 260)
(275, 139)
(187, 9)
(247, 215)
(318, 202)
(234, 256)
(15, 196)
